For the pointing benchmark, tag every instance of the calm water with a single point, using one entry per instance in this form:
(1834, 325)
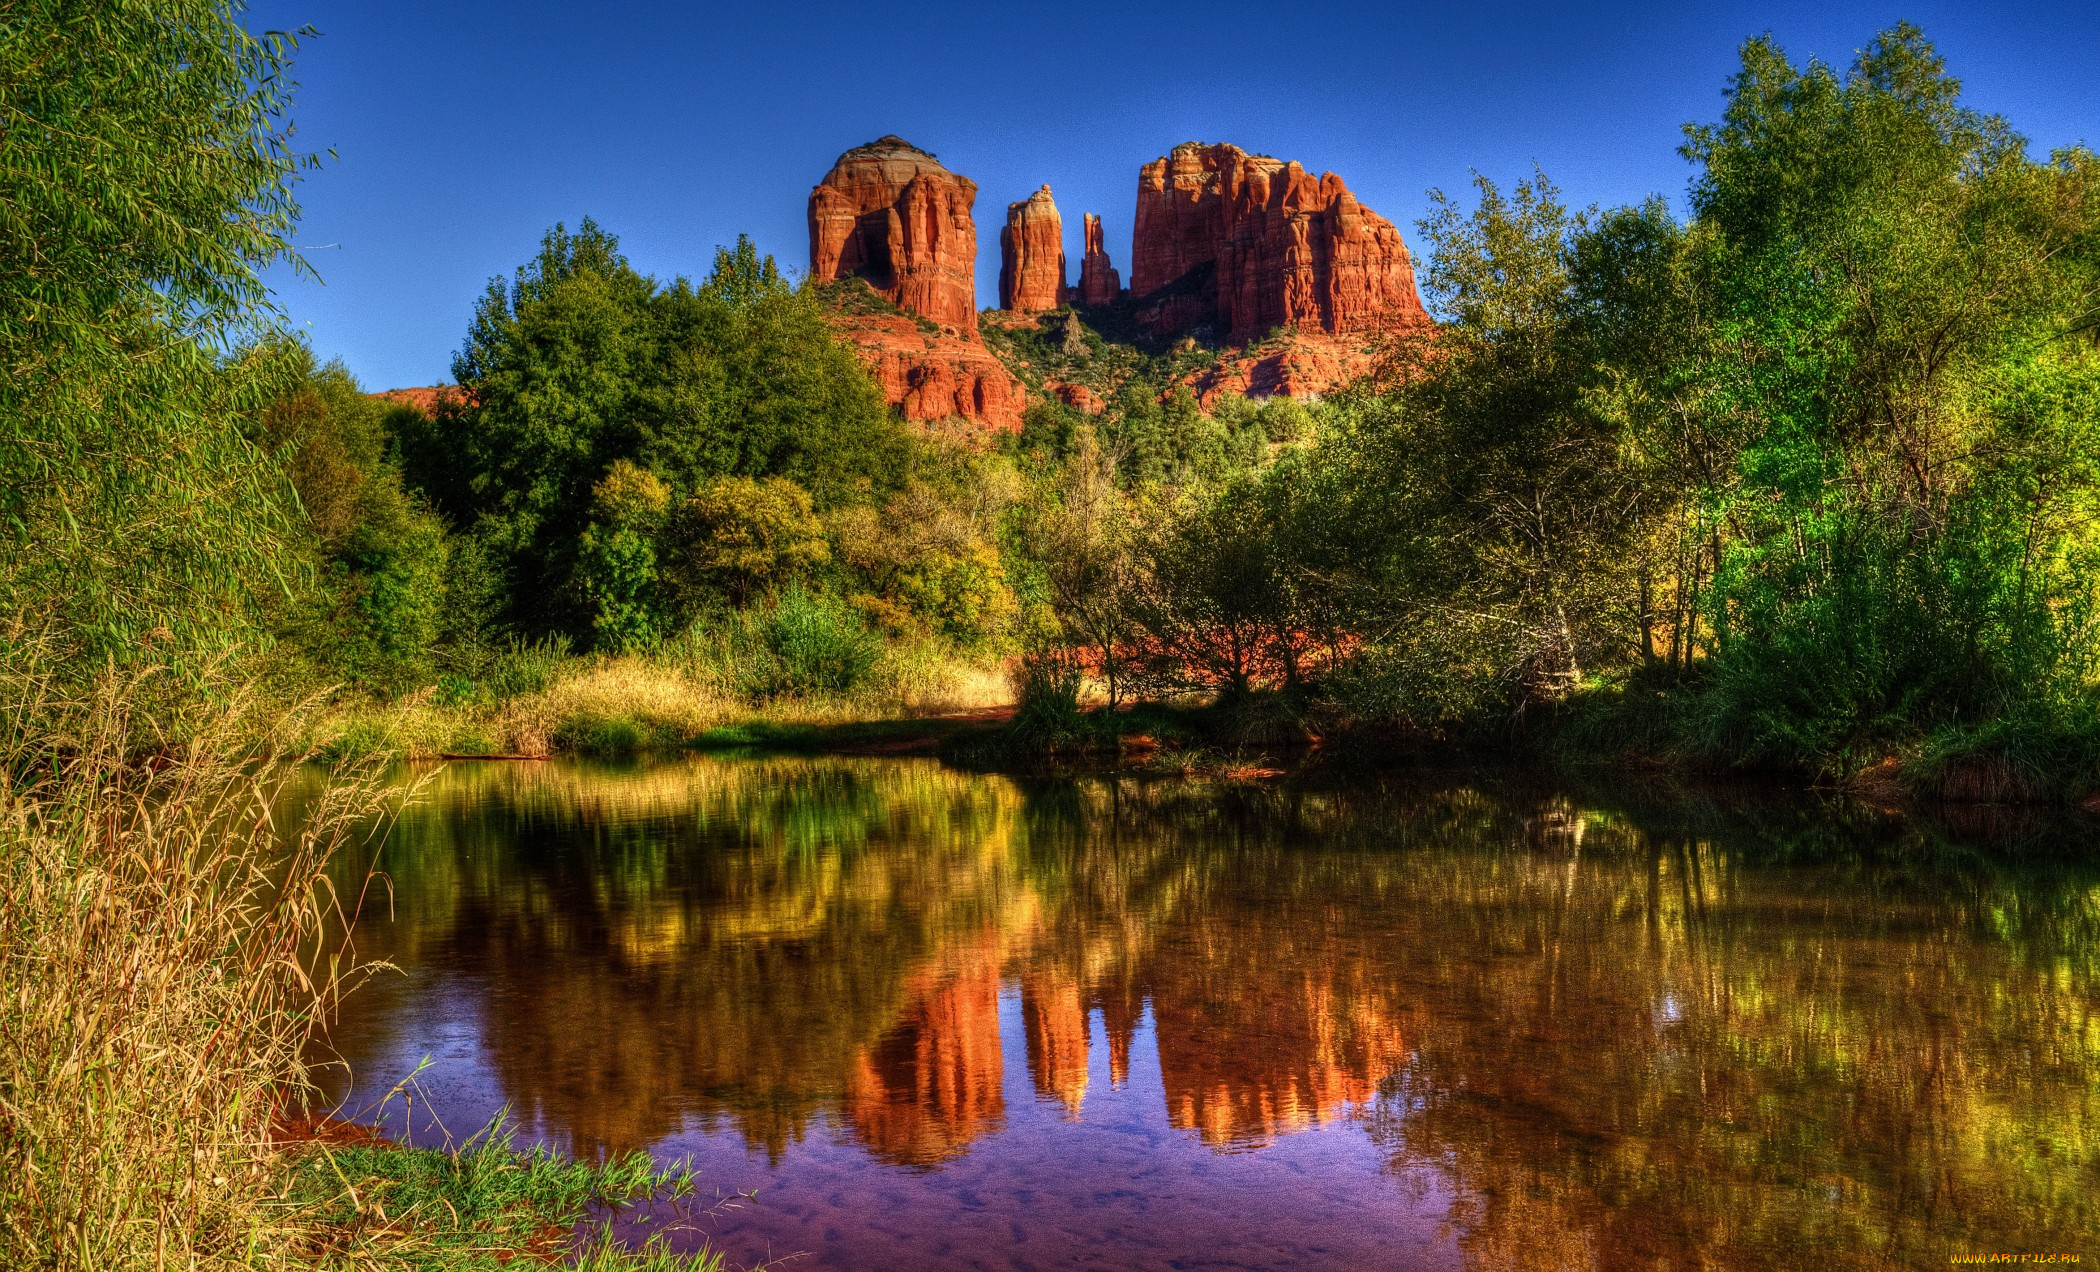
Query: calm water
(941, 1021)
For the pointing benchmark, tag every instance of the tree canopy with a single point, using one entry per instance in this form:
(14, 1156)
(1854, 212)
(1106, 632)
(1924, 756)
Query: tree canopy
(580, 363)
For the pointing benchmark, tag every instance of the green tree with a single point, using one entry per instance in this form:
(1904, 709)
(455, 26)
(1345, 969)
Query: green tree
(1087, 539)
(738, 536)
(1884, 264)
(579, 363)
(1136, 436)
(1502, 509)
(616, 568)
(381, 555)
(935, 555)
(1643, 327)
(1205, 595)
(755, 383)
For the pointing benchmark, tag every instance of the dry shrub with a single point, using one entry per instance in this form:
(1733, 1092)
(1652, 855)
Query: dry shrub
(161, 897)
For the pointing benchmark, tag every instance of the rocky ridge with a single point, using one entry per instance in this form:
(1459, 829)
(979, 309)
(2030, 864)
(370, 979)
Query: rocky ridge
(931, 373)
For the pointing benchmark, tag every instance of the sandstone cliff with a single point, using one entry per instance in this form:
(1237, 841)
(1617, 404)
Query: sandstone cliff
(1244, 243)
(889, 212)
(1032, 255)
(1098, 280)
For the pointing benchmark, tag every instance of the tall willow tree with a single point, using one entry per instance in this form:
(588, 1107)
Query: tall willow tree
(146, 175)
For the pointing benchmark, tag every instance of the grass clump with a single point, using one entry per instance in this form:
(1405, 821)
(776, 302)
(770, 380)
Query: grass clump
(813, 645)
(1047, 685)
(484, 1206)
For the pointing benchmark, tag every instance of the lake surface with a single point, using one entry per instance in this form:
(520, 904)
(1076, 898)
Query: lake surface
(940, 1020)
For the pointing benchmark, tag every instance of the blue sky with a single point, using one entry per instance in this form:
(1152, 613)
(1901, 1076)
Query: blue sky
(464, 130)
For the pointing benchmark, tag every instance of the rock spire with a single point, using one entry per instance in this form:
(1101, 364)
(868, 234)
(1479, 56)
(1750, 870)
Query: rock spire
(1098, 280)
(1032, 255)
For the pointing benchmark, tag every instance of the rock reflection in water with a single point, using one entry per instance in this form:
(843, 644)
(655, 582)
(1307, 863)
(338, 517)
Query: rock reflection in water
(931, 1083)
(1513, 1029)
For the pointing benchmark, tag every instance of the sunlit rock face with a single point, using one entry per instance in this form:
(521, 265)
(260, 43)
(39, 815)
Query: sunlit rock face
(936, 374)
(1032, 255)
(1305, 365)
(889, 212)
(1242, 244)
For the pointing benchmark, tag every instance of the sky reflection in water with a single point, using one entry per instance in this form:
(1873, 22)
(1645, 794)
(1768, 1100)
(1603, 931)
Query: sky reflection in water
(943, 1020)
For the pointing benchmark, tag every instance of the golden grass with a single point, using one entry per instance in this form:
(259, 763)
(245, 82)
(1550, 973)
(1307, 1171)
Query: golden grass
(159, 973)
(640, 703)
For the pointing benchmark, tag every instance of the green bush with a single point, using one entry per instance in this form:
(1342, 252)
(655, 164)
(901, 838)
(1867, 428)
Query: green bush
(453, 690)
(814, 644)
(607, 735)
(737, 537)
(524, 668)
(616, 559)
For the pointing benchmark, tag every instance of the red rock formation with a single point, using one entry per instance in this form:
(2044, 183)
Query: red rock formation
(1054, 1023)
(426, 400)
(1032, 255)
(1098, 280)
(935, 375)
(888, 212)
(1075, 395)
(1122, 1009)
(1286, 1054)
(1245, 243)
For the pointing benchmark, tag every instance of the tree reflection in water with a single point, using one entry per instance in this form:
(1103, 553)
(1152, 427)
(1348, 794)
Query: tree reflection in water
(1620, 1035)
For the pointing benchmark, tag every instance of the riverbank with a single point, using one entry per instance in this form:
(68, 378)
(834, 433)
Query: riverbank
(638, 706)
(964, 710)
(1168, 740)
(554, 704)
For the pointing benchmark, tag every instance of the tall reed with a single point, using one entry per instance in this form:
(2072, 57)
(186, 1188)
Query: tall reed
(160, 969)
